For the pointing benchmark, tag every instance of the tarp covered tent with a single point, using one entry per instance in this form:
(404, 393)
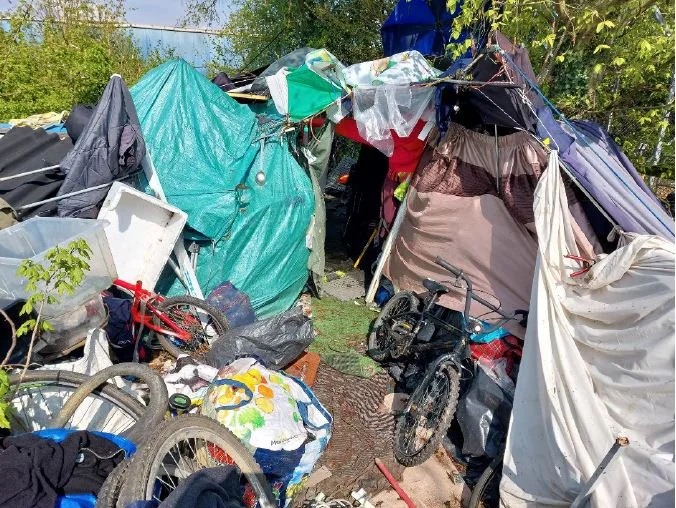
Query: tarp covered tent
(459, 209)
(207, 151)
(598, 364)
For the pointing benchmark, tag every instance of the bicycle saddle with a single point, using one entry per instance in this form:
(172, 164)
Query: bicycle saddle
(434, 287)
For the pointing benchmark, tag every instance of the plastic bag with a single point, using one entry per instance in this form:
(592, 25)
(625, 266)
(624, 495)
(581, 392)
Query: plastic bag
(276, 416)
(233, 303)
(483, 414)
(277, 341)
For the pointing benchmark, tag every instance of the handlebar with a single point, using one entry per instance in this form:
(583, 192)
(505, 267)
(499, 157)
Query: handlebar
(471, 296)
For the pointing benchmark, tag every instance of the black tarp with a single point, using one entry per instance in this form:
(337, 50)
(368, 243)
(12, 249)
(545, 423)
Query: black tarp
(492, 105)
(110, 147)
(25, 149)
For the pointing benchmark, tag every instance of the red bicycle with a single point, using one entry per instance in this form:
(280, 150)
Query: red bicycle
(182, 324)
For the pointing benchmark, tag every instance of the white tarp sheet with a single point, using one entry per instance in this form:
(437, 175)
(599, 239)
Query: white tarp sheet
(598, 363)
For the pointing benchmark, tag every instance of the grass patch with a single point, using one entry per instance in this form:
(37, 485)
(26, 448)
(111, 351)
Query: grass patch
(342, 329)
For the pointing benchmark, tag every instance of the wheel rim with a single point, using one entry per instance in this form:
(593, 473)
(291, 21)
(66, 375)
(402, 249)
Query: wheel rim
(36, 404)
(197, 322)
(383, 337)
(178, 459)
(424, 414)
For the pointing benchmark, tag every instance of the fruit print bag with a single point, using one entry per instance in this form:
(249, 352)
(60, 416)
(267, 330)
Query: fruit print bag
(276, 416)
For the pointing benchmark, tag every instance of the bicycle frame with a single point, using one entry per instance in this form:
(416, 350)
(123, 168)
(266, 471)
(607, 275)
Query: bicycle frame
(143, 310)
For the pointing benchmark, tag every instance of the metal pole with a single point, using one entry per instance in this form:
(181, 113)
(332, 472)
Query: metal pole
(75, 193)
(27, 173)
(593, 482)
(387, 248)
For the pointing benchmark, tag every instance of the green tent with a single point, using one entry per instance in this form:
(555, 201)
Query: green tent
(207, 150)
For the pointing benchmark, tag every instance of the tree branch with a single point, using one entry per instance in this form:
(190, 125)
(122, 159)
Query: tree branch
(13, 345)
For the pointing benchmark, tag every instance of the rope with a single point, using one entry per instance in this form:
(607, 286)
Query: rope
(583, 137)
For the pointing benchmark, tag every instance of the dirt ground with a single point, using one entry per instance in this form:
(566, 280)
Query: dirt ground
(363, 431)
(363, 427)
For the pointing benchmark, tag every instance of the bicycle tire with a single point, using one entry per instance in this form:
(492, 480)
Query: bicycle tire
(438, 433)
(217, 317)
(484, 482)
(140, 478)
(153, 413)
(110, 490)
(107, 392)
(374, 351)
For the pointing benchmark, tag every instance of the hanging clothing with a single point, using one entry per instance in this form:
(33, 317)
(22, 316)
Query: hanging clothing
(110, 147)
(406, 153)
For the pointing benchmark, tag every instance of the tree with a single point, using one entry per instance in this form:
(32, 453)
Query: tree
(58, 53)
(607, 60)
(260, 31)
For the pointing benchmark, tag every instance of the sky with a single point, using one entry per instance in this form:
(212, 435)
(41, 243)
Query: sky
(148, 12)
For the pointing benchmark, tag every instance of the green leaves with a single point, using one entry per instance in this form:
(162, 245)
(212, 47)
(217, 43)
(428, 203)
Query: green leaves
(65, 271)
(604, 24)
(601, 47)
(76, 59)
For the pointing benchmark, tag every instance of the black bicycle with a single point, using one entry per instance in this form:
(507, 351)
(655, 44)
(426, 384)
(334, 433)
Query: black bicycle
(413, 330)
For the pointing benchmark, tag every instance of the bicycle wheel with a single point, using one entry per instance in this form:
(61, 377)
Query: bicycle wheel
(486, 492)
(153, 413)
(182, 446)
(39, 397)
(203, 321)
(427, 417)
(110, 490)
(380, 341)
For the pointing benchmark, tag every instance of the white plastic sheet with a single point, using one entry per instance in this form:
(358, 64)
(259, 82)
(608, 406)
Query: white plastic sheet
(382, 109)
(598, 363)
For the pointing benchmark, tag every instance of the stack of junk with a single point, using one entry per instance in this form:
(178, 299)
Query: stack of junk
(195, 197)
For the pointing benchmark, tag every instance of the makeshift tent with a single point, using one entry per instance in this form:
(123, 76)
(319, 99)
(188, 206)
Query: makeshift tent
(110, 147)
(207, 151)
(419, 25)
(598, 364)
(459, 209)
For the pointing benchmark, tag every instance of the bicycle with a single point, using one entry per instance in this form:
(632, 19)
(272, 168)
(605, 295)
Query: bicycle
(405, 329)
(182, 446)
(182, 324)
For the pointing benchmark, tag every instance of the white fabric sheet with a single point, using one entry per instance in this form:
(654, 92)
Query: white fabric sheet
(598, 363)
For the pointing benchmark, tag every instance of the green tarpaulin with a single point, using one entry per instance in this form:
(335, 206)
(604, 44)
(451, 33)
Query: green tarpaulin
(207, 150)
(309, 93)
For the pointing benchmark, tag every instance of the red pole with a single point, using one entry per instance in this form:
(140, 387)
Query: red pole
(403, 495)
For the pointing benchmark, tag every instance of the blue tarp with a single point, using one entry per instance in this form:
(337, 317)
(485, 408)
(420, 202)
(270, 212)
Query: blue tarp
(421, 26)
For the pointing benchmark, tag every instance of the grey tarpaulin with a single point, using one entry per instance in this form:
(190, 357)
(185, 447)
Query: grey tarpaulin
(276, 341)
(317, 153)
(110, 147)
